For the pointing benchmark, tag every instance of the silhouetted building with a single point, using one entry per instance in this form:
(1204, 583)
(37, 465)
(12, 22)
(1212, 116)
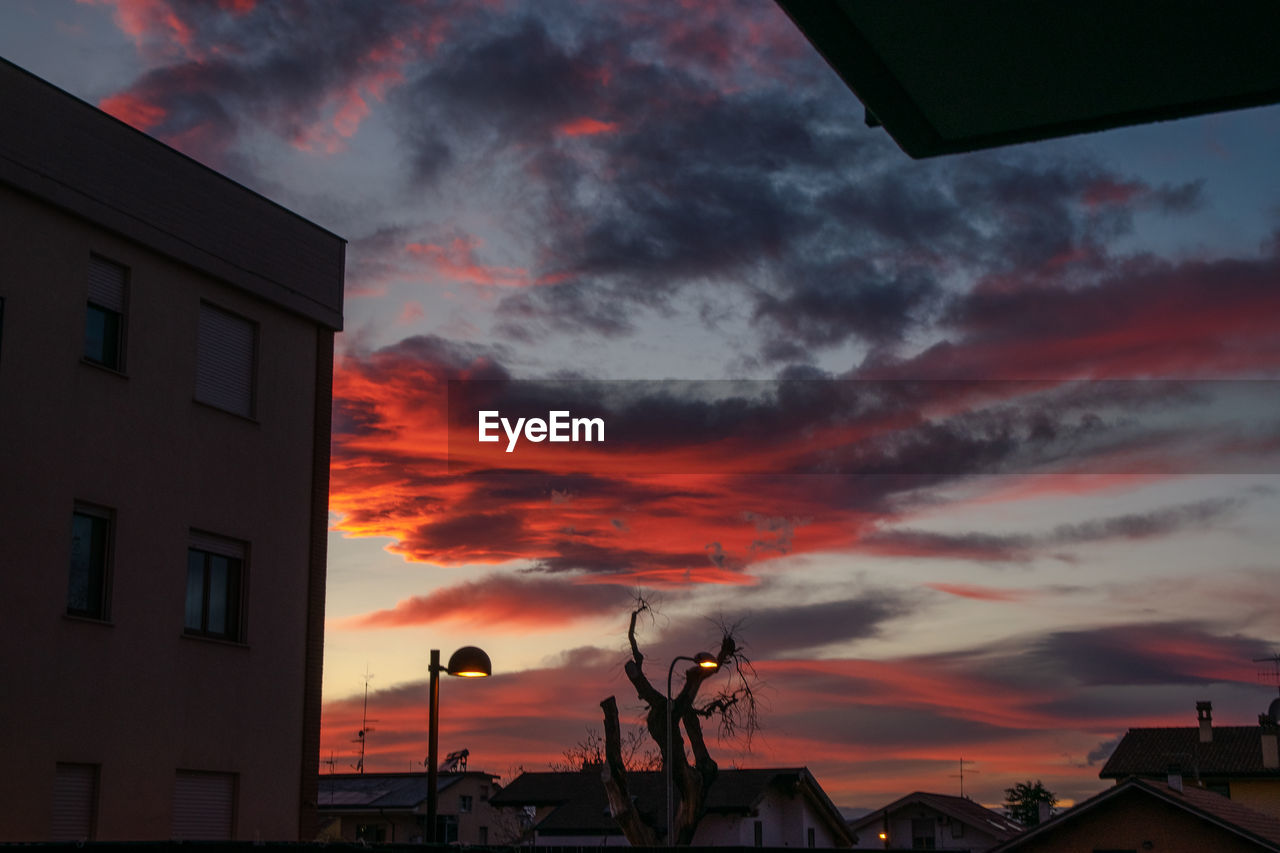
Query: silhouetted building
(166, 361)
(1141, 815)
(924, 821)
(1239, 762)
(769, 807)
(392, 807)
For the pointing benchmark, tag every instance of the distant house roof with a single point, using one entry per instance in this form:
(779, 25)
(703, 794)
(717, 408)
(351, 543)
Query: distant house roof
(363, 791)
(962, 809)
(582, 808)
(1234, 751)
(1261, 829)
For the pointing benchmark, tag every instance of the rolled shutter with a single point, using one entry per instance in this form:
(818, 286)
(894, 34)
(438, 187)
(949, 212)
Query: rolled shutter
(106, 284)
(225, 351)
(74, 792)
(216, 544)
(203, 806)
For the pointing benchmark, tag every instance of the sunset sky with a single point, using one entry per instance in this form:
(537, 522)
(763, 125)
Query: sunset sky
(1001, 476)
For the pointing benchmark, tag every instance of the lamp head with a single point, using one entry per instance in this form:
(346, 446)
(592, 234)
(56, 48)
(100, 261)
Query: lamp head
(706, 660)
(470, 662)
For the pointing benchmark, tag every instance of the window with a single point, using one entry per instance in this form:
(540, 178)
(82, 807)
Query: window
(203, 806)
(104, 315)
(375, 832)
(922, 834)
(446, 829)
(89, 575)
(812, 837)
(758, 829)
(957, 829)
(226, 350)
(215, 586)
(75, 801)
(484, 835)
(464, 804)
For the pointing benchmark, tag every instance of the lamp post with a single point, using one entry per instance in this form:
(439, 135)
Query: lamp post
(468, 662)
(706, 661)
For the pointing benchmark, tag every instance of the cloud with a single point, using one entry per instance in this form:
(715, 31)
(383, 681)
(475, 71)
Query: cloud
(503, 603)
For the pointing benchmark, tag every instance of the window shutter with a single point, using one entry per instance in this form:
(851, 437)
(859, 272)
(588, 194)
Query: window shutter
(106, 284)
(224, 360)
(216, 544)
(74, 788)
(203, 806)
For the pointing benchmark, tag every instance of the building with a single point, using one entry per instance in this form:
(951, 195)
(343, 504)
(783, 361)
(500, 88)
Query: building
(1140, 815)
(924, 821)
(1239, 762)
(166, 364)
(392, 807)
(772, 807)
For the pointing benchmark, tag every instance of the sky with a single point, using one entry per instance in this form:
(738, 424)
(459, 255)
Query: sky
(979, 454)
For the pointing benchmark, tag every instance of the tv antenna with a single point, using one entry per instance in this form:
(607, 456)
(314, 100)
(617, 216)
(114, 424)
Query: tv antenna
(1272, 675)
(362, 736)
(963, 762)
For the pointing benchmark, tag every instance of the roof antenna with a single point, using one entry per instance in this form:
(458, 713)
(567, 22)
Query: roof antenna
(1272, 675)
(963, 762)
(363, 734)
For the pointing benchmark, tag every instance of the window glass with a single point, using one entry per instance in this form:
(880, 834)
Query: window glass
(214, 584)
(87, 578)
(104, 314)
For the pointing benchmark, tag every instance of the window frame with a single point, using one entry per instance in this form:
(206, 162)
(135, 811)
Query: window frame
(107, 516)
(213, 547)
(119, 335)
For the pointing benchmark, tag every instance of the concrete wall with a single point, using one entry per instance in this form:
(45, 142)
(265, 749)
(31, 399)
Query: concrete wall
(135, 695)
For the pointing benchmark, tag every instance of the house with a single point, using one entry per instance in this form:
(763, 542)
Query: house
(1239, 762)
(1139, 814)
(392, 807)
(924, 821)
(166, 365)
(773, 807)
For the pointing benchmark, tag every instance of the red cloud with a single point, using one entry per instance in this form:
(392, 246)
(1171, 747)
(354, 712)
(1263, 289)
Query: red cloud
(457, 261)
(134, 110)
(586, 126)
(503, 603)
(979, 593)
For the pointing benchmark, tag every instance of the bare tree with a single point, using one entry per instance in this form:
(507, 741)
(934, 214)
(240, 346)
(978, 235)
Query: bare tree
(588, 753)
(733, 708)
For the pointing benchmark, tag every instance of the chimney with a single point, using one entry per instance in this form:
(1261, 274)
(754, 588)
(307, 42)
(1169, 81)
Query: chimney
(1204, 713)
(1270, 753)
(1175, 777)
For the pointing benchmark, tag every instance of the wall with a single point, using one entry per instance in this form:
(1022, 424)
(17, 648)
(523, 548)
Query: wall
(1129, 823)
(135, 695)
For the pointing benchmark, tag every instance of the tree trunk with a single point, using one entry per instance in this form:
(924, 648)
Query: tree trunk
(614, 774)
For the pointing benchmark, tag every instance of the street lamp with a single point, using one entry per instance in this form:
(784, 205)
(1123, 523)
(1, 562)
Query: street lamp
(468, 662)
(706, 661)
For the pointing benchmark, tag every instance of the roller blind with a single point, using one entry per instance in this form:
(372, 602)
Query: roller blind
(106, 284)
(203, 806)
(74, 791)
(225, 352)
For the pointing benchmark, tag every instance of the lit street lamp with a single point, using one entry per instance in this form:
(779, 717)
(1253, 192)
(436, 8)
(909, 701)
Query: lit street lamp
(706, 661)
(468, 662)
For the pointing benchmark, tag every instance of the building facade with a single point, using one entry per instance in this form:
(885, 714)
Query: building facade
(925, 821)
(166, 357)
(392, 808)
(767, 807)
